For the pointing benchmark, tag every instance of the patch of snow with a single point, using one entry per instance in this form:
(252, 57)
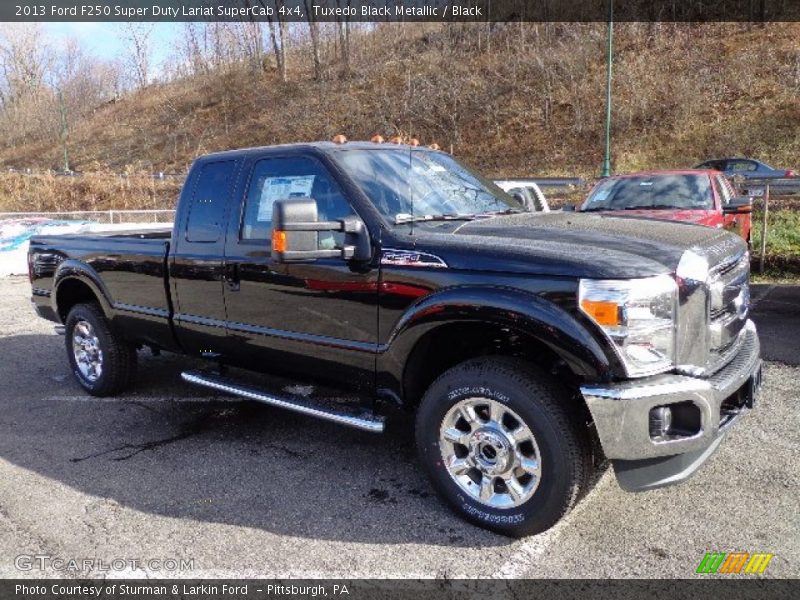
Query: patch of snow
(15, 235)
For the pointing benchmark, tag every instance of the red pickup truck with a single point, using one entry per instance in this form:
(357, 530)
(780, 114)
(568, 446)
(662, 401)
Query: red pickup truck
(700, 196)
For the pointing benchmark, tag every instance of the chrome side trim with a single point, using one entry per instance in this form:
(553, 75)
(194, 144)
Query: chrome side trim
(367, 422)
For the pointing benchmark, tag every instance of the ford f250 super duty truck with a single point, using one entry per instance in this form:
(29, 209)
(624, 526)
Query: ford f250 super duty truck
(527, 344)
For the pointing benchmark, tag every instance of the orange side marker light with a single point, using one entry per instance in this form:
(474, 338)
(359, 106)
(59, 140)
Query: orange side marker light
(279, 242)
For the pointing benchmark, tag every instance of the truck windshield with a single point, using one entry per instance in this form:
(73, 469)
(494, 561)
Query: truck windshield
(421, 185)
(651, 192)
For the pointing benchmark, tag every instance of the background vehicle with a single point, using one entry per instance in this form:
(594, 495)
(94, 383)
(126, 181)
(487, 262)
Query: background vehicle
(524, 342)
(703, 197)
(746, 167)
(527, 192)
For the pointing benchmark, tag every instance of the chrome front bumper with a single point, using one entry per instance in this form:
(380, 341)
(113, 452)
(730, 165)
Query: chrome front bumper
(621, 411)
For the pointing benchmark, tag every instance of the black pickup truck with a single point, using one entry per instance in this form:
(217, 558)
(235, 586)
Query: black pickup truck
(531, 346)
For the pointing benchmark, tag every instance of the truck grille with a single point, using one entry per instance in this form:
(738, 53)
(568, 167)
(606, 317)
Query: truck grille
(729, 303)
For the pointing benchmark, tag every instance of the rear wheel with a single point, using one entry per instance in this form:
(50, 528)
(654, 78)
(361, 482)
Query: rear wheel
(498, 443)
(101, 360)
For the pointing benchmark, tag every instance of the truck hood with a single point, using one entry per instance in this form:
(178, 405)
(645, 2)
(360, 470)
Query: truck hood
(697, 216)
(576, 245)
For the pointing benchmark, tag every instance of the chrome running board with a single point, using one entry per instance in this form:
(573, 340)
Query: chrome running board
(365, 421)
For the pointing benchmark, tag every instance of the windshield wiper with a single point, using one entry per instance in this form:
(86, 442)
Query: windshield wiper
(494, 213)
(402, 218)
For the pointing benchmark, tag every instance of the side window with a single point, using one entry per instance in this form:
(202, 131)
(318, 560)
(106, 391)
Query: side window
(738, 166)
(280, 178)
(207, 210)
(726, 193)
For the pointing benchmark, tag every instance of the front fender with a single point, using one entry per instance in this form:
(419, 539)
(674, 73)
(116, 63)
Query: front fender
(520, 311)
(72, 269)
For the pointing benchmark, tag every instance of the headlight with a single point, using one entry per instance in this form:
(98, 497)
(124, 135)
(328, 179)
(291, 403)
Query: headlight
(638, 316)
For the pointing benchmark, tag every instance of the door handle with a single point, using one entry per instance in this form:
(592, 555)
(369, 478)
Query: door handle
(232, 281)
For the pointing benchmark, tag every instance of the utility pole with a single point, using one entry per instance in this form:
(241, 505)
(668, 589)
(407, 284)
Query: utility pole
(63, 109)
(610, 60)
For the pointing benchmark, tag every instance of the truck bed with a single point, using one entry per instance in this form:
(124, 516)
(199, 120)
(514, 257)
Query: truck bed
(129, 268)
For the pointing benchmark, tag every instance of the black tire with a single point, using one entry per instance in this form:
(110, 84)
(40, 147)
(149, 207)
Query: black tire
(118, 357)
(563, 443)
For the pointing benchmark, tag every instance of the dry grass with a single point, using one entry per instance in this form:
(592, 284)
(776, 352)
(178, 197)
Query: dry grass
(531, 103)
(93, 191)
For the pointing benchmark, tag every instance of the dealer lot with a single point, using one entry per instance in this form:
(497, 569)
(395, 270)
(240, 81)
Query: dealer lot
(167, 472)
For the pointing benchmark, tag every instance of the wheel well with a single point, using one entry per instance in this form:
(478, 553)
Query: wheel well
(449, 345)
(71, 292)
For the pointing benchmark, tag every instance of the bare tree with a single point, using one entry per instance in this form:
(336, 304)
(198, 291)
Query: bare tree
(313, 29)
(344, 38)
(252, 43)
(279, 42)
(194, 48)
(24, 60)
(137, 38)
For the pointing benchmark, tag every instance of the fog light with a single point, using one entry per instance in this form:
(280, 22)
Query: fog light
(660, 422)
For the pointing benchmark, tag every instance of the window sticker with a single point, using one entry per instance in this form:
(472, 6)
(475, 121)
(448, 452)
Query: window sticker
(280, 188)
(646, 183)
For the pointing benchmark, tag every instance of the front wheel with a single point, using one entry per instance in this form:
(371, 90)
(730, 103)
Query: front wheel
(103, 363)
(498, 443)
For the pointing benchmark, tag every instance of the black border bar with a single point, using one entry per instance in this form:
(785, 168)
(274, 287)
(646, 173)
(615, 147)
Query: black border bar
(381, 11)
(731, 588)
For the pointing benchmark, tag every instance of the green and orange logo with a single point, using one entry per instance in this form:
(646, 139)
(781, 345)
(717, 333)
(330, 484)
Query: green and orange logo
(734, 562)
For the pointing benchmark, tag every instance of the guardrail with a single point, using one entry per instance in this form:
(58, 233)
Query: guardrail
(547, 181)
(99, 216)
(778, 186)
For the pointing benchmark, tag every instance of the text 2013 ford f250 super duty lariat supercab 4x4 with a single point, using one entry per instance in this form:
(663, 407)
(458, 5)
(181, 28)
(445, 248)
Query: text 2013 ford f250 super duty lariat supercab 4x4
(527, 343)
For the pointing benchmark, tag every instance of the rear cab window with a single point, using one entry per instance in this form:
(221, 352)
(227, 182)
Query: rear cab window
(205, 222)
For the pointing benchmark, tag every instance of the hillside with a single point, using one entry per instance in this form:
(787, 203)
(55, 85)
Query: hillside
(526, 100)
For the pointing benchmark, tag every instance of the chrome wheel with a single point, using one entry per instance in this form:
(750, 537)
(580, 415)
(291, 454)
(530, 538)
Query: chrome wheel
(87, 352)
(490, 452)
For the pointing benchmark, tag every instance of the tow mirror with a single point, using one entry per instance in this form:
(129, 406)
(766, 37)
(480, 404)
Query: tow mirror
(295, 233)
(738, 206)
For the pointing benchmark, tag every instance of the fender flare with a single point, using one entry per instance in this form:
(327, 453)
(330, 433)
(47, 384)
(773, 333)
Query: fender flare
(75, 270)
(517, 310)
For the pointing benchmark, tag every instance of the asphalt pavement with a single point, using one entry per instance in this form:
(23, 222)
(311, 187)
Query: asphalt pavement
(167, 473)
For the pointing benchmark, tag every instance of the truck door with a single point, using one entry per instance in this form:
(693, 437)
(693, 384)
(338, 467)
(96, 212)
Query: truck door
(316, 319)
(196, 268)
